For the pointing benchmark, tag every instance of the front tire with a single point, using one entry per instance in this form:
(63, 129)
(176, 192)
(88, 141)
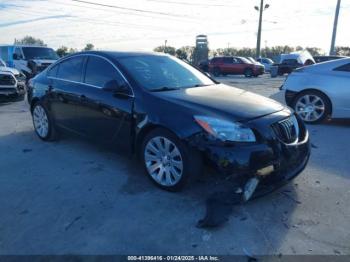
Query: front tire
(168, 161)
(248, 72)
(312, 106)
(43, 123)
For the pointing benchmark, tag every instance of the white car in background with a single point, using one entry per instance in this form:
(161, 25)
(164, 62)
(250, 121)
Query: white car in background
(266, 62)
(4, 68)
(12, 83)
(251, 59)
(319, 91)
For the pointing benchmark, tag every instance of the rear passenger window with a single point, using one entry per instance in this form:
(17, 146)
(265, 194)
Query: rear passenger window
(71, 69)
(228, 60)
(99, 72)
(344, 68)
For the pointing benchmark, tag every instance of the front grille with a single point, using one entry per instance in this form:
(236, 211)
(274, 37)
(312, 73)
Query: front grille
(20, 77)
(7, 80)
(287, 130)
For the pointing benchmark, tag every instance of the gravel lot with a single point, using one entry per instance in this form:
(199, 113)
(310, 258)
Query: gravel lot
(77, 197)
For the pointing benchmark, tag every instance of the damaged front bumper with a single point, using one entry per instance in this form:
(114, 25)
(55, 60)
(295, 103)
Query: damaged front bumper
(12, 94)
(270, 160)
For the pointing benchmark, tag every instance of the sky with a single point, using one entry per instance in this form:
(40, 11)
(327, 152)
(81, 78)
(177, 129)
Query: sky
(145, 24)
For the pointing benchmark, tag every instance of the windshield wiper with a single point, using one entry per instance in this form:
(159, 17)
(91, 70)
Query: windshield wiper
(164, 88)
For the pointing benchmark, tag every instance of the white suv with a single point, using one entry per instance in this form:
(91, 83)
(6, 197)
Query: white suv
(12, 83)
(28, 59)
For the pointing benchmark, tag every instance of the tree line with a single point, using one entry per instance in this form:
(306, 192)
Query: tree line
(187, 52)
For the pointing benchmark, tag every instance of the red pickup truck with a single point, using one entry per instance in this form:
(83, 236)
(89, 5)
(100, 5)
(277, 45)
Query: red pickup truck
(225, 65)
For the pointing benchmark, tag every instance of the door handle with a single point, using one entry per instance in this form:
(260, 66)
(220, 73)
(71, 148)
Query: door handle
(50, 88)
(82, 97)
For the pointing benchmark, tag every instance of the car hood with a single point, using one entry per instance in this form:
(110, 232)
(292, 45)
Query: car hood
(9, 69)
(223, 100)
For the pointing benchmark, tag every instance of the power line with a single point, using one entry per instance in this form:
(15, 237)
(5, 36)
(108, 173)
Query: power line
(129, 13)
(129, 9)
(97, 21)
(191, 4)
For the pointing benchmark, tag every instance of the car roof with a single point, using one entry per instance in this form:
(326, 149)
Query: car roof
(327, 65)
(116, 54)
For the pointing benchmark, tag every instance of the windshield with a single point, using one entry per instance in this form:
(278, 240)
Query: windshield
(39, 53)
(268, 61)
(163, 72)
(251, 59)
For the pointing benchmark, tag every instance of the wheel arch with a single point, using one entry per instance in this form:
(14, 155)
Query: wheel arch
(33, 101)
(144, 131)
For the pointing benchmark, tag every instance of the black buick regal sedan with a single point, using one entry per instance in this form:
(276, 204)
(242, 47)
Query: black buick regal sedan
(171, 115)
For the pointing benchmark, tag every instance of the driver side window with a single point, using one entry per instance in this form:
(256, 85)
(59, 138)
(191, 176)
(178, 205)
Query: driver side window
(99, 72)
(228, 60)
(343, 68)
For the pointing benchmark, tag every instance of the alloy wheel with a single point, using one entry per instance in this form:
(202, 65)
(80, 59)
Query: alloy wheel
(310, 107)
(41, 121)
(163, 161)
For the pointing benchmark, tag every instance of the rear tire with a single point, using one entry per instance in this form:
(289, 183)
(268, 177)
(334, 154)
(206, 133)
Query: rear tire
(43, 123)
(248, 72)
(168, 161)
(312, 106)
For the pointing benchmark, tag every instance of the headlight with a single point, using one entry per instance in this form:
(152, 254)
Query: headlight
(225, 130)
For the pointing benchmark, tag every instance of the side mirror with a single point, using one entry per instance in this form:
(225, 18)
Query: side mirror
(15, 57)
(117, 88)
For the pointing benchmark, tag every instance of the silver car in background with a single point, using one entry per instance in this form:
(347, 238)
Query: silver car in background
(319, 91)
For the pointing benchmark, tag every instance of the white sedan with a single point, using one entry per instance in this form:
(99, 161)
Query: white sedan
(319, 91)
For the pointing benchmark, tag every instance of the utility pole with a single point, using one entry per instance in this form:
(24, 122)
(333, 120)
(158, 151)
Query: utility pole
(165, 45)
(332, 51)
(261, 10)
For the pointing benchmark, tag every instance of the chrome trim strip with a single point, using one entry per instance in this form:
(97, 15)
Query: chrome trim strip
(66, 58)
(287, 124)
